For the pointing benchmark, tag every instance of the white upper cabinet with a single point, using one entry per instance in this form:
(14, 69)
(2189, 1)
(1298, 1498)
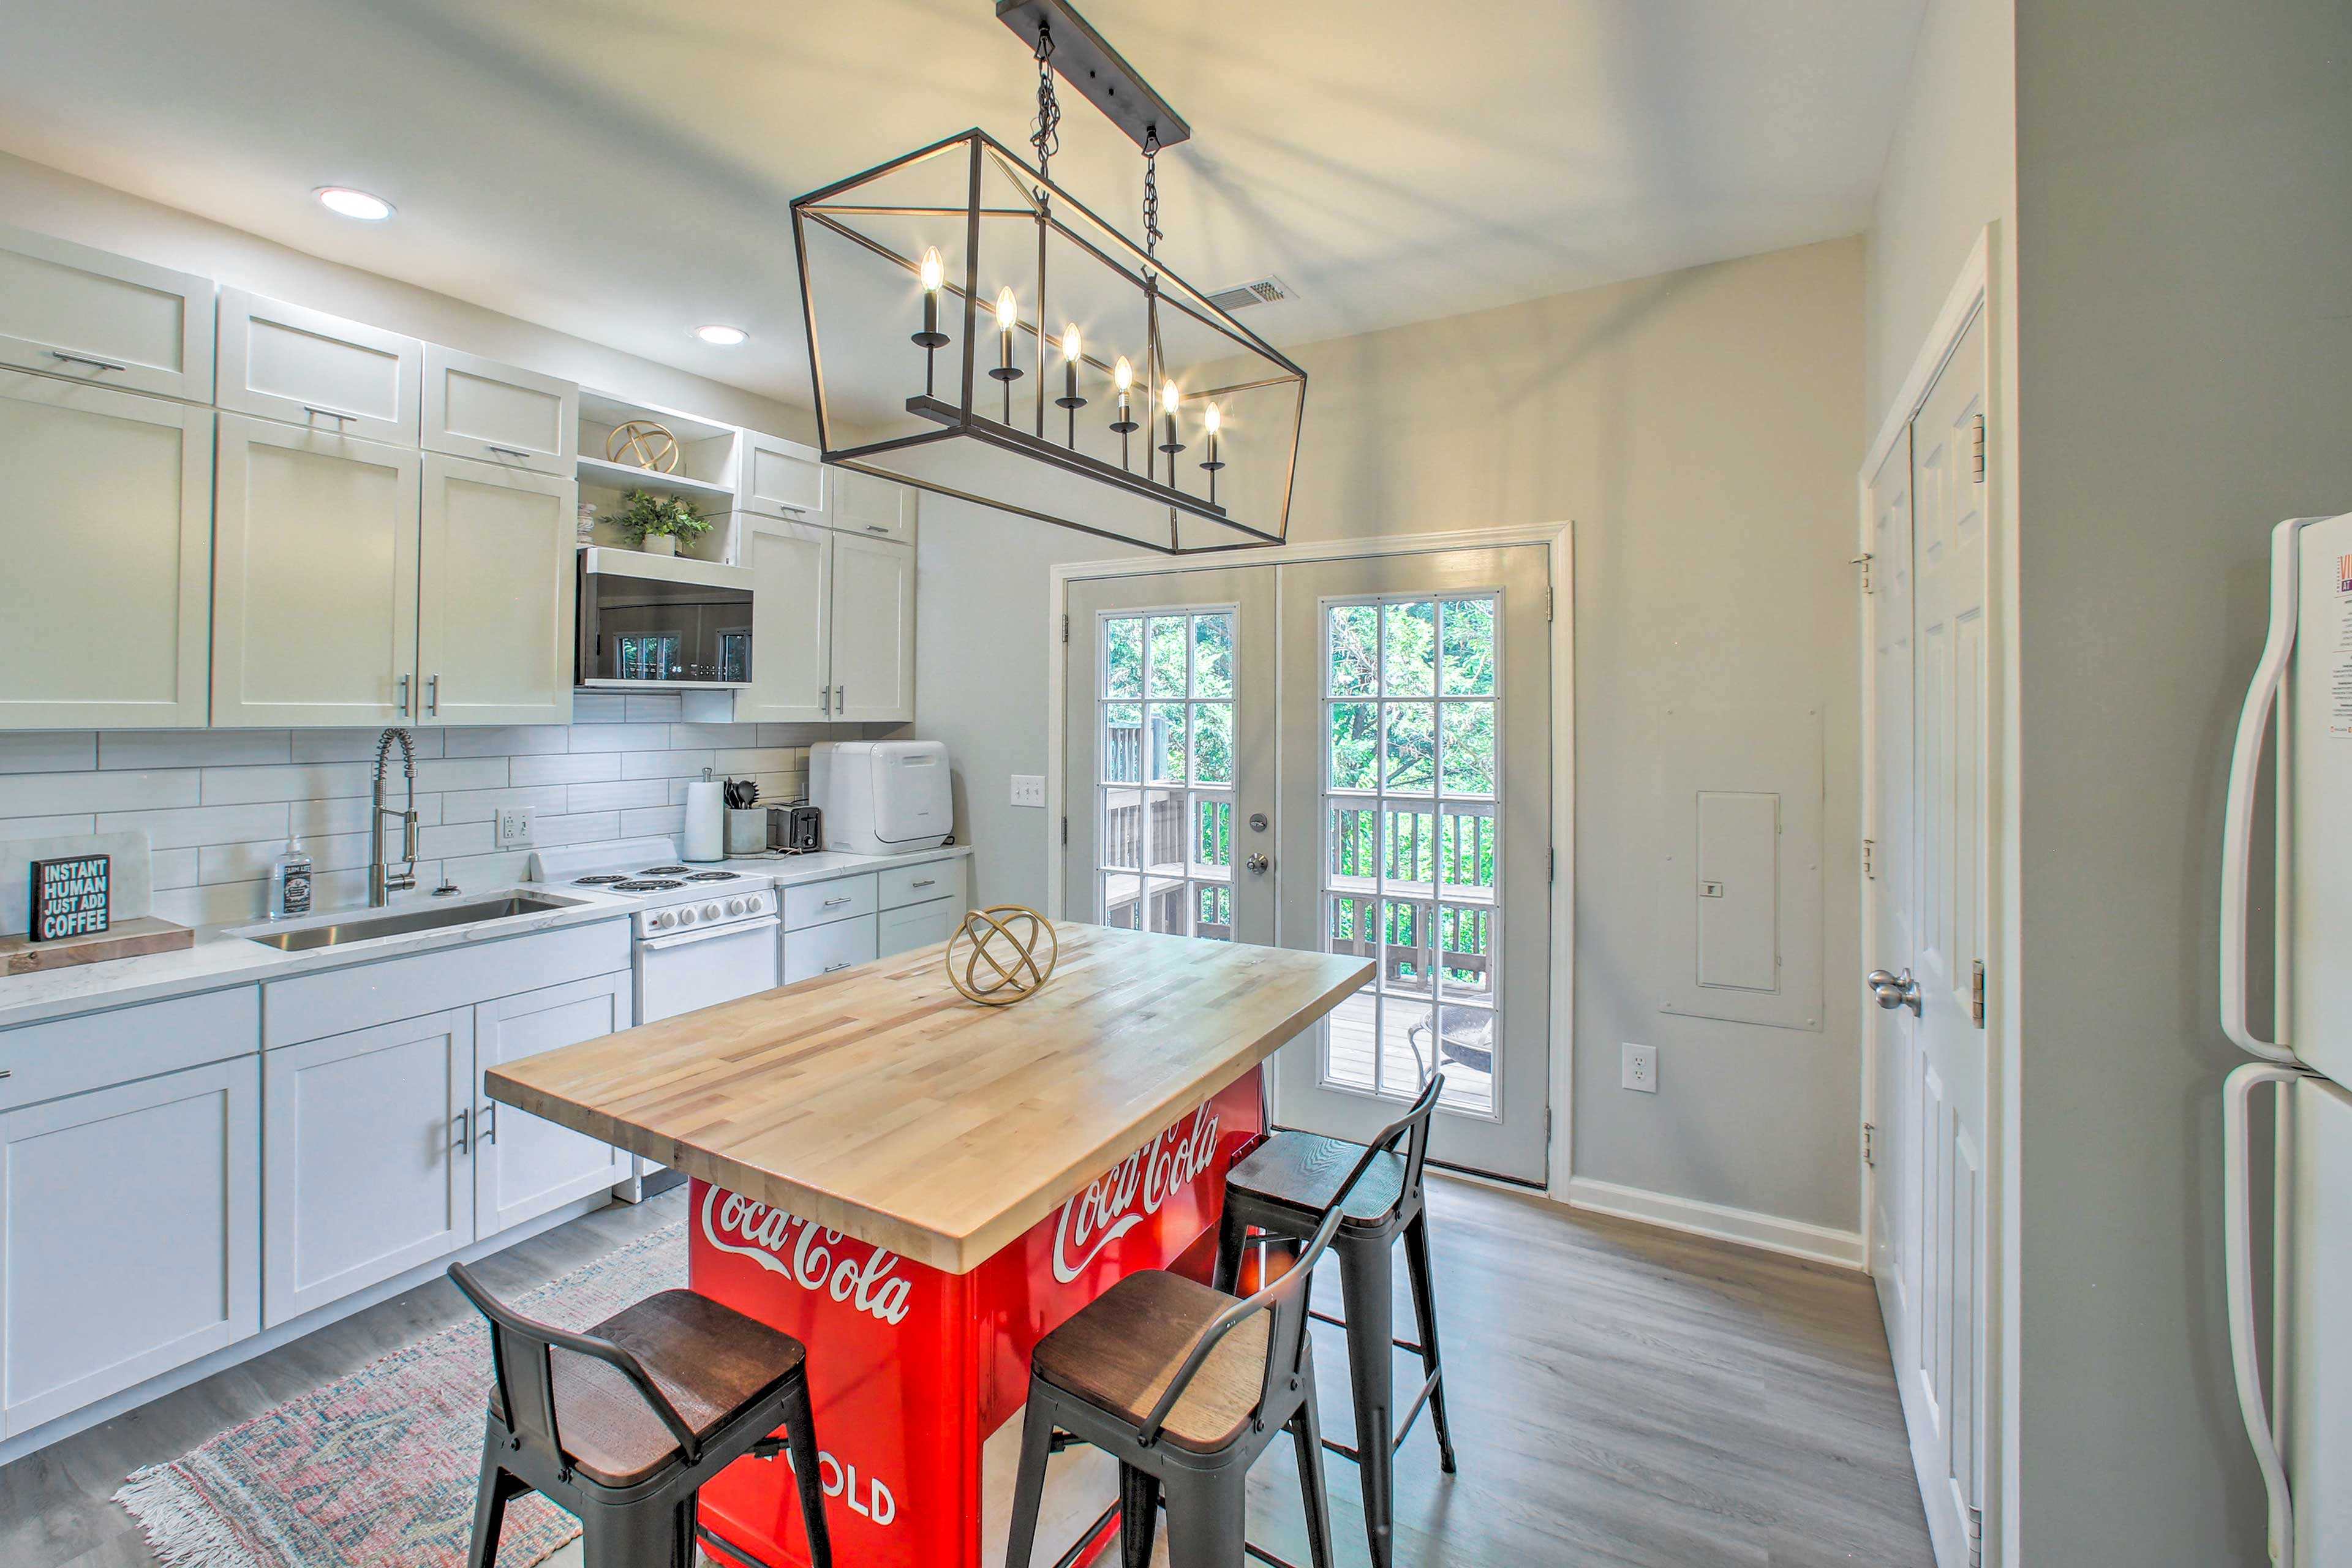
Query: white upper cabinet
(494, 413)
(496, 604)
(791, 622)
(776, 478)
(873, 629)
(108, 532)
(67, 310)
(305, 367)
(314, 579)
(864, 504)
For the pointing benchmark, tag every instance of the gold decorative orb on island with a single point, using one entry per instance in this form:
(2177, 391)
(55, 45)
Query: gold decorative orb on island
(993, 957)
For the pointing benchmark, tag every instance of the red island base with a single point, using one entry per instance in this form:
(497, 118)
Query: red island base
(918, 1376)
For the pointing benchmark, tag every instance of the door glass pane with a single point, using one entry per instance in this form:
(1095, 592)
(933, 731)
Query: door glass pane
(1213, 917)
(1469, 647)
(1163, 741)
(1352, 850)
(1168, 721)
(1354, 640)
(1349, 1061)
(1165, 674)
(1408, 1043)
(1405, 935)
(1122, 828)
(1123, 903)
(1212, 743)
(1465, 942)
(1409, 751)
(1123, 743)
(1212, 835)
(1165, 907)
(1213, 656)
(1123, 658)
(1466, 851)
(1163, 831)
(1466, 1055)
(1469, 737)
(1410, 650)
(1409, 851)
(1355, 746)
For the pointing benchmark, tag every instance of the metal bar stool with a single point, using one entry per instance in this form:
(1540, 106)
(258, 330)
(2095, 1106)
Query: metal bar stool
(623, 1424)
(1282, 1190)
(1186, 1387)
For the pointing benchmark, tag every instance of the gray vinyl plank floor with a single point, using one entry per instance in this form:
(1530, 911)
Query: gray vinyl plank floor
(1619, 1395)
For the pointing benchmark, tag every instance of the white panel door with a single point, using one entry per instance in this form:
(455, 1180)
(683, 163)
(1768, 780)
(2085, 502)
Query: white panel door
(496, 597)
(494, 413)
(873, 629)
(524, 1166)
(314, 578)
(368, 1158)
(864, 504)
(108, 592)
(1895, 1065)
(776, 478)
(791, 622)
(67, 310)
(305, 367)
(129, 1235)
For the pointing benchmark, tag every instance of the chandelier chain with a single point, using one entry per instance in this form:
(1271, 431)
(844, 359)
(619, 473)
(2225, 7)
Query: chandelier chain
(1151, 192)
(1045, 130)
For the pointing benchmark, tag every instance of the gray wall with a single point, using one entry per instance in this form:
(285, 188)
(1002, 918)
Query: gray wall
(2185, 221)
(1699, 429)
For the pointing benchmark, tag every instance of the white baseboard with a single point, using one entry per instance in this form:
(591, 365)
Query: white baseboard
(1814, 1243)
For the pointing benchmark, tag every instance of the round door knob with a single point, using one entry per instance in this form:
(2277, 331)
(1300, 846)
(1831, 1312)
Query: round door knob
(1893, 991)
(711, 911)
(1259, 863)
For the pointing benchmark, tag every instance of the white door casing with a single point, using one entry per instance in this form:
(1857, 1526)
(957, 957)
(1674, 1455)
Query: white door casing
(497, 598)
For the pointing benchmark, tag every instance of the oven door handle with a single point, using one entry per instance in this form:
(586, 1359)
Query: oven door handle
(709, 933)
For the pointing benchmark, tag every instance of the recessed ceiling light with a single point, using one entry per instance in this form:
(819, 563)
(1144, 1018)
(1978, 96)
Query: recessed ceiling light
(354, 204)
(725, 337)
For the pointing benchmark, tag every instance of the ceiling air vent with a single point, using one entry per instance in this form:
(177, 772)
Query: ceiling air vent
(1257, 291)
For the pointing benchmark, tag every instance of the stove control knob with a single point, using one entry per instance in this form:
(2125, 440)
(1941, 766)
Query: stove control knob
(711, 911)
(686, 917)
(659, 922)
(734, 906)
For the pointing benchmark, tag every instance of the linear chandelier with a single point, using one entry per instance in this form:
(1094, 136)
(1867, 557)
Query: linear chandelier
(935, 285)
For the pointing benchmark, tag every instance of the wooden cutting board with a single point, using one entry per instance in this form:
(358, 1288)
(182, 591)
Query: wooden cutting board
(124, 939)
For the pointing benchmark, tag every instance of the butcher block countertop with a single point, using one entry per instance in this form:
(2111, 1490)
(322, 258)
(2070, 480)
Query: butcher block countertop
(879, 1103)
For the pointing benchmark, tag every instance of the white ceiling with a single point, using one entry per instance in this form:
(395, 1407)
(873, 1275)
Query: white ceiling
(620, 169)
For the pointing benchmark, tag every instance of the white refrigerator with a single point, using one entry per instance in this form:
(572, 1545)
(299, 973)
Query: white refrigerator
(2299, 1417)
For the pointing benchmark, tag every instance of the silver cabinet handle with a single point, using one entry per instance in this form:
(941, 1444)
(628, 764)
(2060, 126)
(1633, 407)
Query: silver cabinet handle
(90, 360)
(924, 883)
(840, 700)
(337, 415)
(403, 697)
(465, 1121)
(825, 700)
(508, 451)
(432, 696)
(844, 963)
(876, 528)
(830, 903)
(489, 1122)
(5, 1072)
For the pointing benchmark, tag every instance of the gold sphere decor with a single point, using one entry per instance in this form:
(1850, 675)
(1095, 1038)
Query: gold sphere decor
(646, 445)
(1004, 937)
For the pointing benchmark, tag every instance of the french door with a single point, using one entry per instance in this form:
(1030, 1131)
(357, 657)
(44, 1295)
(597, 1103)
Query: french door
(1351, 755)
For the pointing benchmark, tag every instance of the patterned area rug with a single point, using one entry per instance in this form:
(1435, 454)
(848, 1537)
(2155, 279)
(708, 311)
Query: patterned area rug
(378, 1470)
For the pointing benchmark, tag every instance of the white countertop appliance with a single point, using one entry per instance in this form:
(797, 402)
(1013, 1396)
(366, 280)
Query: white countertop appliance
(2301, 1425)
(700, 935)
(882, 797)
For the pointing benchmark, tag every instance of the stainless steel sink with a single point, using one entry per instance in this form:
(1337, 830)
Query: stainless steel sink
(360, 927)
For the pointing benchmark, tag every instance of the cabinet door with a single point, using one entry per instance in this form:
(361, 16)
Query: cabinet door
(367, 1158)
(496, 594)
(108, 592)
(129, 1235)
(820, 949)
(791, 622)
(494, 413)
(919, 925)
(305, 367)
(776, 478)
(864, 504)
(524, 1166)
(67, 310)
(314, 579)
(873, 629)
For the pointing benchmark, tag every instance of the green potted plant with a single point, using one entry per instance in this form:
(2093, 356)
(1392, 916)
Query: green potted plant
(658, 524)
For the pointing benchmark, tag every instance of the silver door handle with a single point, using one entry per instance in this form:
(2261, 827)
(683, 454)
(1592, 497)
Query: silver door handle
(433, 697)
(1260, 862)
(90, 360)
(925, 882)
(403, 697)
(844, 963)
(876, 528)
(840, 699)
(1894, 991)
(831, 903)
(465, 1121)
(335, 414)
(489, 1122)
(825, 700)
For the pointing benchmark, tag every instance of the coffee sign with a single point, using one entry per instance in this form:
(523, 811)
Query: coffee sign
(69, 896)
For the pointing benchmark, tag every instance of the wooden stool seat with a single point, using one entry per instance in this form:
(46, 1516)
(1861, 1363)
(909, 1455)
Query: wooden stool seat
(1304, 1169)
(708, 1361)
(1121, 1353)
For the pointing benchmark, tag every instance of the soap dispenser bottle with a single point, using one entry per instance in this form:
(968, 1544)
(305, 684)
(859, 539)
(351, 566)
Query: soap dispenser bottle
(290, 881)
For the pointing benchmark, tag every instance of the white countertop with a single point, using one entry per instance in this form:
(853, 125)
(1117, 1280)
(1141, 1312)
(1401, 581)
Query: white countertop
(222, 957)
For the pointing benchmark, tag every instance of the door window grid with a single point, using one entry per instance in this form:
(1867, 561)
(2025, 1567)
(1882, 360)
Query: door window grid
(1164, 772)
(1412, 856)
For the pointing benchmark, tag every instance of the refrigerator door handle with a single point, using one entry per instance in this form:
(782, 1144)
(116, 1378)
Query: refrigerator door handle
(2237, 1271)
(2245, 769)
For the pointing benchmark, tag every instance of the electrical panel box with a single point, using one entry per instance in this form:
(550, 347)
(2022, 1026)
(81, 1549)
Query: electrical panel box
(1739, 890)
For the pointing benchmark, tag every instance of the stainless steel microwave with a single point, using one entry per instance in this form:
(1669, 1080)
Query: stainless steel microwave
(662, 623)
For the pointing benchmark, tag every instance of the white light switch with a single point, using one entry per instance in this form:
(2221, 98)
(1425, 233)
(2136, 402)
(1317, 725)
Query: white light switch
(514, 826)
(1029, 789)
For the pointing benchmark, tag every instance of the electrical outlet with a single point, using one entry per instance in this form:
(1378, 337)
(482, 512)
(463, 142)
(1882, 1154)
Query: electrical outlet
(514, 826)
(1641, 1072)
(1029, 789)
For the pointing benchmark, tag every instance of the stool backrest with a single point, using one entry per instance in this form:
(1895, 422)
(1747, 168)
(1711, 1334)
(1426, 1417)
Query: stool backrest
(1286, 1299)
(524, 1366)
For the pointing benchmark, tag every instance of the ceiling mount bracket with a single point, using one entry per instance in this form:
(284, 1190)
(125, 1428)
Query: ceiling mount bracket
(1082, 58)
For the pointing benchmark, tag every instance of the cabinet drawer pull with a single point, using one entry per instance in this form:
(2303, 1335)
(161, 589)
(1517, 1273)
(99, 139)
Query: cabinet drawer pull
(844, 963)
(489, 1122)
(876, 528)
(90, 360)
(465, 1121)
(831, 903)
(403, 697)
(433, 696)
(507, 451)
(5, 1072)
(925, 882)
(334, 413)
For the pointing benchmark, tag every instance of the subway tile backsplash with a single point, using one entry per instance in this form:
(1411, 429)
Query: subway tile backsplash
(218, 804)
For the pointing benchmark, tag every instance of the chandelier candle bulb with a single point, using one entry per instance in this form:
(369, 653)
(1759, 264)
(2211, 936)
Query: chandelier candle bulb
(1171, 446)
(1125, 424)
(1070, 400)
(1209, 422)
(930, 338)
(1008, 316)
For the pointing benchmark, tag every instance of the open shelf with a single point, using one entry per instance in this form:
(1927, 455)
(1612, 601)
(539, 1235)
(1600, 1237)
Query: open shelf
(614, 476)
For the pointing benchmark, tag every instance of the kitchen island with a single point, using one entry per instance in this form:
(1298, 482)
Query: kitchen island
(920, 1188)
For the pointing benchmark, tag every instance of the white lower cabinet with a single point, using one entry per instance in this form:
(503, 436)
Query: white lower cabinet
(819, 950)
(524, 1166)
(918, 925)
(367, 1158)
(132, 1225)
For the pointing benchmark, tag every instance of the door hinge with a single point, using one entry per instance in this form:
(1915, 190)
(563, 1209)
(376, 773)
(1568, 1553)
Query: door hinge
(1551, 866)
(1863, 560)
(1870, 1144)
(1551, 605)
(1977, 994)
(1980, 449)
(1976, 1537)
(1066, 630)
(1869, 860)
